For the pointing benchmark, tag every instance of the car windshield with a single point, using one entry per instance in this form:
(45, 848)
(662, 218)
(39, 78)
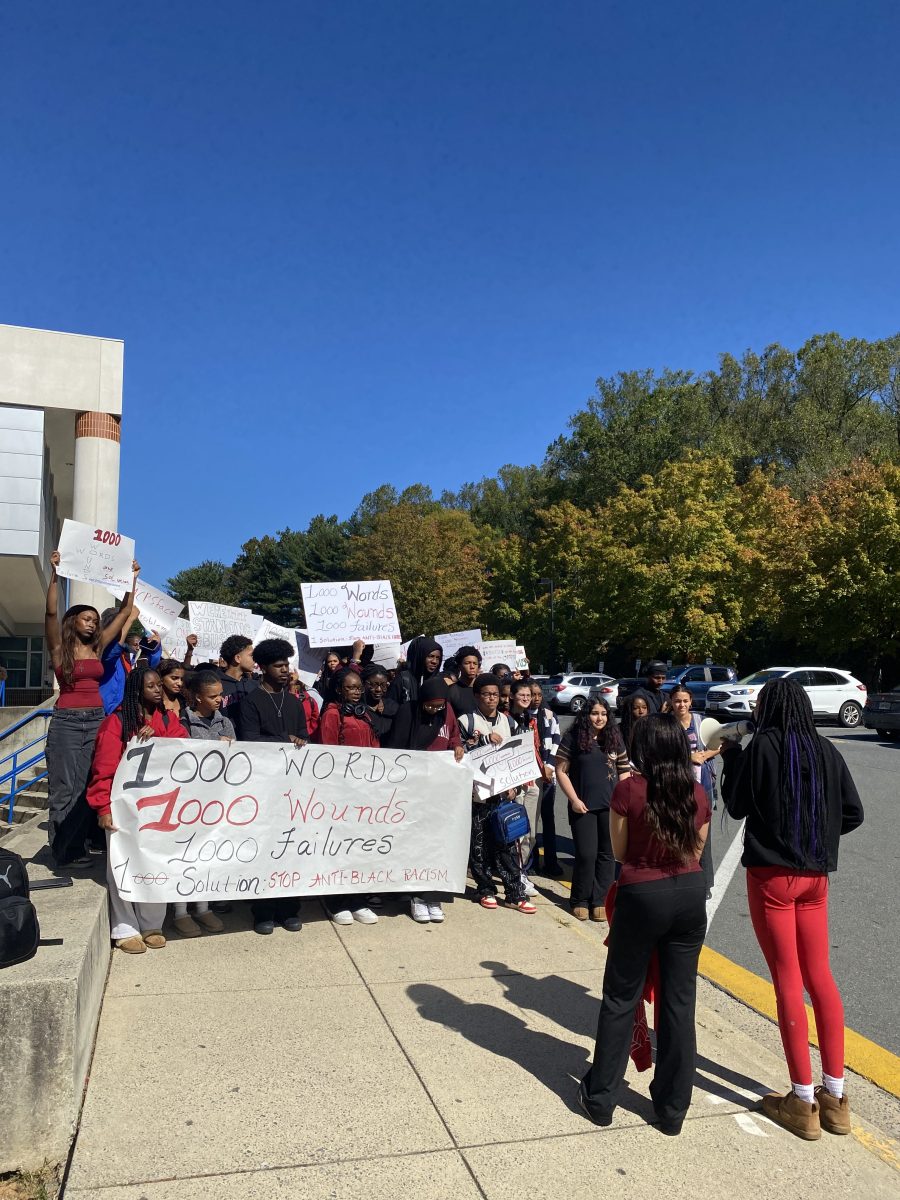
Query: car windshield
(765, 676)
(554, 679)
(673, 671)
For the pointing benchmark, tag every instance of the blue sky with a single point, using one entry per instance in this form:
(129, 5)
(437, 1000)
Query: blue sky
(355, 242)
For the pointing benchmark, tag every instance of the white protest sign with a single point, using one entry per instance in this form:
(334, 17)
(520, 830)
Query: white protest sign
(451, 642)
(339, 613)
(175, 639)
(99, 556)
(158, 610)
(268, 629)
(213, 623)
(201, 820)
(521, 659)
(386, 656)
(497, 652)
(495, 769)
(309, 661)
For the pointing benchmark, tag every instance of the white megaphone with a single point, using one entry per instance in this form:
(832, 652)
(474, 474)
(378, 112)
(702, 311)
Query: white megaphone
(712, 733)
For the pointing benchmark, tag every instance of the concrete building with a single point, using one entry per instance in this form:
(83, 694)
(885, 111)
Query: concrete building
(60, 414)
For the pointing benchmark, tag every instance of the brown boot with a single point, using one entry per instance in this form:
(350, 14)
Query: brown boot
(153, 939)
(598, 914)
(793, 1114)
(833, 1113)
(580, 913)
(132, 945)
(209, 921)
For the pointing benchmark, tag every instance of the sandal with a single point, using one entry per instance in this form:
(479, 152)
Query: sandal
(488, 901)
(523, 906)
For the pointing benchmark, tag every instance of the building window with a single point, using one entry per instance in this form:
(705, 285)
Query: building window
(23, 658)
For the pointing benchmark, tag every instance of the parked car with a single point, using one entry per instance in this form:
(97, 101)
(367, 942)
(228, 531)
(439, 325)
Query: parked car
(832, 692)
(882, 713)
(698, 680)
(569, 693)
(606, 691)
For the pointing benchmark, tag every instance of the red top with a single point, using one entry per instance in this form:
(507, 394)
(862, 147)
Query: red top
(646, 858)
(336, 729)
(84, 690)
(108, 751)
(311, 711)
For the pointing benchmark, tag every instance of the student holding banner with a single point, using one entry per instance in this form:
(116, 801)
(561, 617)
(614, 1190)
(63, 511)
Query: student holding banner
(135, 928)
(76, 647)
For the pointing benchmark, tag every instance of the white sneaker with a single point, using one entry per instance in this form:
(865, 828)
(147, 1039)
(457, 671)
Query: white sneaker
(530, 889)
(364, 915)
(435, 912)
(342, 917)
(420, 910)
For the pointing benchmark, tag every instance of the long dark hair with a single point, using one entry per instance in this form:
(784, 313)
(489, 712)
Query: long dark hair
(69, 638)
(629, 720)
(784, 706)
(586, 737)
(131, 712)
(662, 755)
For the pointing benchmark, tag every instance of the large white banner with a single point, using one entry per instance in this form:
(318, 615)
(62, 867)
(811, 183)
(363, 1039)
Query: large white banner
(497, 652)
(213, 623)
(99, 556)
(158, 610)
(199, 820)
(498, 768)
(339, 613)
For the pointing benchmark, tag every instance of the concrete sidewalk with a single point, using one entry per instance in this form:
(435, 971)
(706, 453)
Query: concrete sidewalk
(428, 1061)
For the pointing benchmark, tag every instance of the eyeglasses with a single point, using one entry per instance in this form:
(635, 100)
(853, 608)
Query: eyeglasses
(433, 707)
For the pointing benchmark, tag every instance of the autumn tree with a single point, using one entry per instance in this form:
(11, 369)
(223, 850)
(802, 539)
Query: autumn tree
(209, 581)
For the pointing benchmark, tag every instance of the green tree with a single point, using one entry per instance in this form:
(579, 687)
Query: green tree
(209, 580)
(432, 558)
(268, 572)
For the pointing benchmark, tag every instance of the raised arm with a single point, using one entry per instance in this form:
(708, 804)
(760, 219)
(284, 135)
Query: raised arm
(52, 630)
(114, 630)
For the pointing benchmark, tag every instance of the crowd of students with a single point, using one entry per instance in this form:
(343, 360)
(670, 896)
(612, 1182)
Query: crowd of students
(640, 795)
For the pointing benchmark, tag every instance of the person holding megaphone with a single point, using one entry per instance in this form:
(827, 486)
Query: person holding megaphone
(798, 798)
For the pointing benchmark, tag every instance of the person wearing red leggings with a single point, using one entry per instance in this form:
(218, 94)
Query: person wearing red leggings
(798, 797)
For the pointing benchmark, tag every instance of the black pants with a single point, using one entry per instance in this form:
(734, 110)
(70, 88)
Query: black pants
(548, 825)
(70, 748)
(669, 916)
(277, 909)
(486, 856)
(595, 866)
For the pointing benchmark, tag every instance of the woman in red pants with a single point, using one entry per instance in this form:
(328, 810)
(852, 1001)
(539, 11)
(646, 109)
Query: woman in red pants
(798, 797)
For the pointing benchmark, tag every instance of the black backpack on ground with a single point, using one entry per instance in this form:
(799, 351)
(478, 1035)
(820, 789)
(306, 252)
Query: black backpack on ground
(19, 929)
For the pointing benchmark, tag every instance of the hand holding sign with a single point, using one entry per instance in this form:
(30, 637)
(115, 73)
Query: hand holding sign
(98, 556)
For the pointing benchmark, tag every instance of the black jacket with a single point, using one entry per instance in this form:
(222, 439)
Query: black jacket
(751, 789)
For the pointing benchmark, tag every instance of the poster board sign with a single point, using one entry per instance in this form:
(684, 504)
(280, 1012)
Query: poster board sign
(213, 623)
(156, 608)
(99, 556)
(201, 820)
(175, 639)
(451, 642)
(309, 661)
(268, 629)
(497, 652)
(495, 769)
(387, 655)
(521, 659)
(339, 613)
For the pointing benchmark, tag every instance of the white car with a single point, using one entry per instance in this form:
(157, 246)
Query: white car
(833, 693)
(570, 692)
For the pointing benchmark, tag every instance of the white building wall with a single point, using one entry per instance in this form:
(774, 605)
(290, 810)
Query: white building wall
(21, 480)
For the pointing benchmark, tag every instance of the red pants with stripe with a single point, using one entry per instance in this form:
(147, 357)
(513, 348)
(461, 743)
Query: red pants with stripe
(790, 917)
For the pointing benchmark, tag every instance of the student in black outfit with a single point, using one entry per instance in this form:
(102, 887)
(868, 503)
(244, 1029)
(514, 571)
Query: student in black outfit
(590, 761)
(655, 673)
(658, 823)
(382, 709)
(237, 675)
(462, 697)
(272, 714)
(423, 661)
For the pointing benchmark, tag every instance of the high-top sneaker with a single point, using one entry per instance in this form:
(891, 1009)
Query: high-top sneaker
(833, 1113)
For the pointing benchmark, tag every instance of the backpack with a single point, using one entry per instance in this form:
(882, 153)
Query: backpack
(19, 929)
(509, 822)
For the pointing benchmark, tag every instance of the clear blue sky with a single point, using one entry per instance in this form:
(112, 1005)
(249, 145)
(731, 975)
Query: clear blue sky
(361, 241)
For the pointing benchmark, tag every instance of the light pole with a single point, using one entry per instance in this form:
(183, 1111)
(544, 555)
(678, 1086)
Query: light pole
(549, 583)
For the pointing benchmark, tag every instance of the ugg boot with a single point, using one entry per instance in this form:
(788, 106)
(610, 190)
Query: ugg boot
(833, 1113)
(794, 1114)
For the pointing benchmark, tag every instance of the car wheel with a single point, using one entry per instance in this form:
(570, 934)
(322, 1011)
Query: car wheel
(850, 714)
(576, 704)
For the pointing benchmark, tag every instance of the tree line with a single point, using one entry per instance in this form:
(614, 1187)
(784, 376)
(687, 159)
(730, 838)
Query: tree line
(751, 514)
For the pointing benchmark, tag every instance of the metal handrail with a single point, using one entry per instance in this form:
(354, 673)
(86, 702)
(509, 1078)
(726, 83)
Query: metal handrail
(18, 767)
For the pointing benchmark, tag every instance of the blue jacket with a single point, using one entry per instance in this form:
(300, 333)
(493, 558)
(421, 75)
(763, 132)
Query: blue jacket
(112, 685)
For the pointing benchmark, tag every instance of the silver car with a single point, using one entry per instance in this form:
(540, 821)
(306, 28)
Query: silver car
(569, 693)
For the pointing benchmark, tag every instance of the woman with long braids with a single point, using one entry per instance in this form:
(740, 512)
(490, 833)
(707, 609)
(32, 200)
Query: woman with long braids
(659, 819)
(798, 797)
(134, 928)
(76, 646)
(590, 761)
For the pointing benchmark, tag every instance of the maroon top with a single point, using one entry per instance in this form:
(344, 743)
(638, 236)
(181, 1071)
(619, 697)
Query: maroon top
(647, 858)
(84, 690)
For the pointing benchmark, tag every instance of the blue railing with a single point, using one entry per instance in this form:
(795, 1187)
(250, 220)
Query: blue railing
(23, 759)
